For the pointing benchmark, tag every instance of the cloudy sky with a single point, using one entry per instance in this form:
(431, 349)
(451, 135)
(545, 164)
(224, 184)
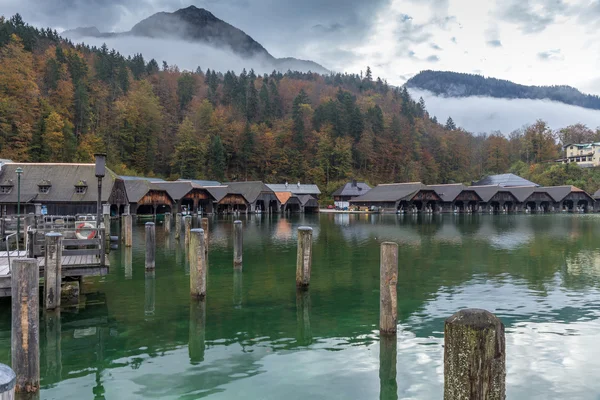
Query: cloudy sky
(540, 42)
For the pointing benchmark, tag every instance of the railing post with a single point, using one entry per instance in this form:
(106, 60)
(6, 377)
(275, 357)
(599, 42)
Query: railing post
(388, 280)
(150, 245)
(474, 356)
(238, 244)
(304, 257)
(197, 256)
(30, 243)
(53, 270)
(25, 333)
(7, 382)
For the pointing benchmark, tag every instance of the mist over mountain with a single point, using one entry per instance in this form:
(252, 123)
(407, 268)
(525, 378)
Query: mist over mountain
(190, 27)
(454, 84)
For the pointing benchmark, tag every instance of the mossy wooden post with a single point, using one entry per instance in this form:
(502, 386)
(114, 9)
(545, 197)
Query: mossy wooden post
(178, 226)
(197, 335)
(53, 345)
(106, 219)
(474, 356)
(53, 270)
(388, 279)
(388, 386)
(167, 222)
(127, 230)
(204, 225)
(197, 264)
(7, 382)
(150, 245)
(304, 257)
(187, 223)
(238, 244)
(25, 332)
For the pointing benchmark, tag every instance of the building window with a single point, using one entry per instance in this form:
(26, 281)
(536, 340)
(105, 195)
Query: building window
(5, 189)
(44, 189)
(80, 189)
(571, 147)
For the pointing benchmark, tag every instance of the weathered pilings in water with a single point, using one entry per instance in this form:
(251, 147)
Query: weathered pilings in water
(178, 226)
(53, 270)
(7, 382)
(53, 345)
(197, 256)
(25, 332)
(197, 335)
(304, 331)
(167, 222)
(127, 230)
(304, 257)
(149, 293)
(474, 356)
(238, 244)
(238, 287)
(388, 386)
(204, 226)
(187, 223)
(106, 219)
(388, 280)
(150, 245)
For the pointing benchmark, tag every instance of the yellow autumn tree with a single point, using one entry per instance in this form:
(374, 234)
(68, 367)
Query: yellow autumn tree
(54, 139)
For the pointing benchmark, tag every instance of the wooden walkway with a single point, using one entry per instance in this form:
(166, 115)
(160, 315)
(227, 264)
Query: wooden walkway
(72, 266)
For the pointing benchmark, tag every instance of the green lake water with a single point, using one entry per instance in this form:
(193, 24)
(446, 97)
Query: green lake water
(140, 336)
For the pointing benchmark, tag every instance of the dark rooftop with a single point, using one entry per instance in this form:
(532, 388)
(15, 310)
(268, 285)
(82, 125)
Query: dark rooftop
(352, 189)
(504, 180)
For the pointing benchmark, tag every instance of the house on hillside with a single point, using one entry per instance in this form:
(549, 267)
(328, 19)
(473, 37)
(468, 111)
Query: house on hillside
(583, 154)
(64, 189)
(349, 191)
(504, 180)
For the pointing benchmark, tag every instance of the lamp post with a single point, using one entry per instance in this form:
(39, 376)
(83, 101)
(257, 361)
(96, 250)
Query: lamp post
(100, 172)
(19, 171)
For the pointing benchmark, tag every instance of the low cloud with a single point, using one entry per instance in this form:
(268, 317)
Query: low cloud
(494, 43)
(531, 16)
(486, 114)
(551, 55)
(433, 58)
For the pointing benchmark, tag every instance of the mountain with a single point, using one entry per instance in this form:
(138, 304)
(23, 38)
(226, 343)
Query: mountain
(195, 24)
(454, 84)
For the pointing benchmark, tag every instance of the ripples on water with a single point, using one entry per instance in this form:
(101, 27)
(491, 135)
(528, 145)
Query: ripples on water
(139, 336)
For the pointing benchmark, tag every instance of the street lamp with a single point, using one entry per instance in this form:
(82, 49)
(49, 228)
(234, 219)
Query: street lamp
(19, 171)
(100, 172)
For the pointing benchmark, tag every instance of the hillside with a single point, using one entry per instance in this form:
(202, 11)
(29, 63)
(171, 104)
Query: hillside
(62, 103)
(454, 84)
(198, 25)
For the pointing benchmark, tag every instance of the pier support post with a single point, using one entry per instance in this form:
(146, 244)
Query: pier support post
(388, 386)
(178, 226)
(474, 356)
(106, 219)
(238, 244)
(127, 230)
(7, 382)
(204, 225)
(187, 223)
(25, 332)
(53, 270)
(167, 222)
(197, 336)
(127, 255)
(304, 257)
(388, 280)
(150, 245)
(197, 263)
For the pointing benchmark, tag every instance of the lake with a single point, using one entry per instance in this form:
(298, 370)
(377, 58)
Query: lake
(138, 335)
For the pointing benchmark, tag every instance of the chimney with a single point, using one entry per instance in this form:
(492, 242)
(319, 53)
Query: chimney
(353, 182)
(298, 184)
(286, 185)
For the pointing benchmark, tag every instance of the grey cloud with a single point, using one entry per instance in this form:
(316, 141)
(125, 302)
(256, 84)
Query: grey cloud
(532, 16)
(408, 31)
(329, 28)
(492, 35)
(453, 39)
(432, 58)
(494, 43)
(551, 55)
(435, 46)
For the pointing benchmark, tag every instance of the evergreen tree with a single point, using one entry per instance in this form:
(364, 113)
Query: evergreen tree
(298, 118)
(216, 159)
(152, 67)
(188, 153)
(251, 102)
(247, 148)
(265, 103)
(185, 89)
(276, 108)
(450, 125)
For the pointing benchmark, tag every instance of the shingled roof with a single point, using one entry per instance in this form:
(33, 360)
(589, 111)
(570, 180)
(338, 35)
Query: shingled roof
(250, 190)
(504, 180)
(62, 179)
(448, 192)
(352, 189)
(389, 193)
(295, 188)
(138, 188)
(558, 193)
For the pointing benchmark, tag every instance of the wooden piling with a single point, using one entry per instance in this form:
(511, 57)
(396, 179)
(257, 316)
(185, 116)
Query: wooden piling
(25, 333)
(106, 219)
(304, 257)
(149, 293)
(303, 329)
(167, 222)
(53, 346)
(178, 226)
(388, 280)
(127, 230)
(474, 356)
(388, 386)
(53, 270)
(187, 223)
(238, 244)
(150, 245)
(204, 225)
(197, 335)
(7, 382)
(197, 256)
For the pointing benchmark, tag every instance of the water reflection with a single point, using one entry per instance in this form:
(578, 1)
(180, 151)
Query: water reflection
(388, 388)
(238, 286)
(197, 337)
(52, 349)
(127, 261)
(304, 335)
(149, 293)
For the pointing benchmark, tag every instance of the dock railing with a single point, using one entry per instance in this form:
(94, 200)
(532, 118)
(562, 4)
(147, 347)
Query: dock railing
(93, 242)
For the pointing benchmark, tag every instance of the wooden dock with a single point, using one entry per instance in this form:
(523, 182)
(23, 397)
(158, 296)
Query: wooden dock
(72, 266)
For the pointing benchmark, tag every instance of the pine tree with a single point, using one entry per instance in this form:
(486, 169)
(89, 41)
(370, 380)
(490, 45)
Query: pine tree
(188, 153)
(185, 90)
(450, 125)
(251, 102)
(216, 159)
(265, 103)
(247, 148)
(298, 118)
(152, 67)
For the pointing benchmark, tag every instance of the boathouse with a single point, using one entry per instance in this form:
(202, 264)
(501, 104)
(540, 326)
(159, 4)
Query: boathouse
(496, 198)
(456, 197)
(569, 198)
(349, 191)
(258, 197)
(296, 189)
(187, 196)
(399, 197)
(147, 198)
(64, 189)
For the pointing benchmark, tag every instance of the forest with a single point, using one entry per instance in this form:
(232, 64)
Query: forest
(63, 102)
(462, 85)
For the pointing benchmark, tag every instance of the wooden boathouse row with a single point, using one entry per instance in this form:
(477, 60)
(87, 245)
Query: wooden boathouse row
(417, 197)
